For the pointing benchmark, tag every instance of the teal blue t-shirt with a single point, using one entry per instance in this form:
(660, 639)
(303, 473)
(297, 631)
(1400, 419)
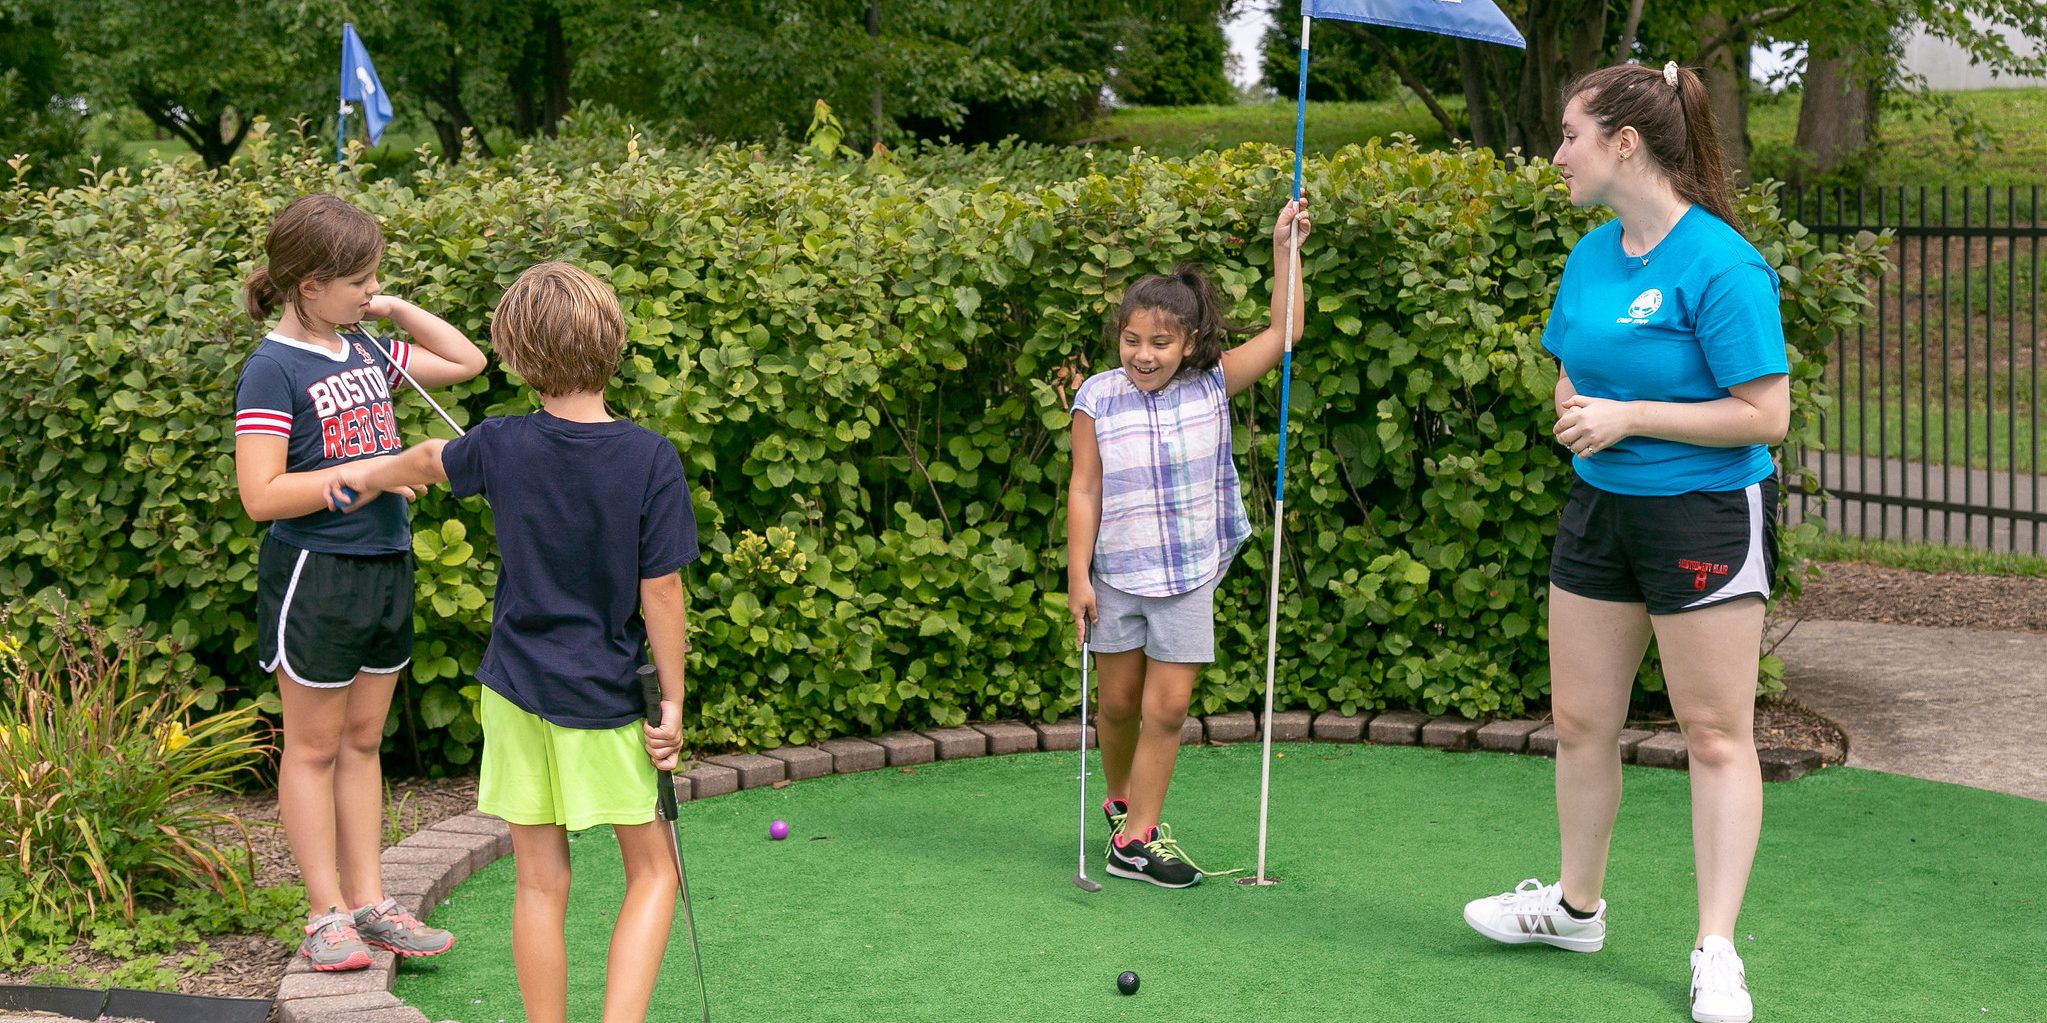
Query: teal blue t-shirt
(1691, 318)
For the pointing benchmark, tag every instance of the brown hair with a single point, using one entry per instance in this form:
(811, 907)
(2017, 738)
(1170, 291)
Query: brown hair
(1190, 299)
(560, 329)
(1674, 121)
(318, 237)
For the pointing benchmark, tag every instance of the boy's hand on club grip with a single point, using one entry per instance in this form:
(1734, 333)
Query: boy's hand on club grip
(664, 744)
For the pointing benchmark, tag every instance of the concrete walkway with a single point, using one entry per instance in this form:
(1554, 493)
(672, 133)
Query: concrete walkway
(1955, 705)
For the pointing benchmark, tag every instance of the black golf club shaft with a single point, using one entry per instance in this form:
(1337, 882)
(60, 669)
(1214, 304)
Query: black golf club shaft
(664, 808)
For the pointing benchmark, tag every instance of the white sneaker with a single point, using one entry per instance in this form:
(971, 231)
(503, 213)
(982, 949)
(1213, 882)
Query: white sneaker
(1719, 985)
(1534, 911)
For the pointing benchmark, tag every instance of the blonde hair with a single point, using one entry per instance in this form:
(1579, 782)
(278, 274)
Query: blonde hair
(560, 329)
(317, 238)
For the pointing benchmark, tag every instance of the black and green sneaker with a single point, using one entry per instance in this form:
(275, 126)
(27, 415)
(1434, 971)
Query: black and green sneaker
(1154, 858)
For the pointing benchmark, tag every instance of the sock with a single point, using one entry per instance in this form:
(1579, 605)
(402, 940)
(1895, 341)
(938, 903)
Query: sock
(1574, 912)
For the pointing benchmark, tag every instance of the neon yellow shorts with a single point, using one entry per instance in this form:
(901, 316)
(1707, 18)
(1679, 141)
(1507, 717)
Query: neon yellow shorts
(535, 772)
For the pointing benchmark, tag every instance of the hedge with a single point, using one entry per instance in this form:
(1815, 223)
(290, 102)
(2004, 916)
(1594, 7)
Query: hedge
(865, 366)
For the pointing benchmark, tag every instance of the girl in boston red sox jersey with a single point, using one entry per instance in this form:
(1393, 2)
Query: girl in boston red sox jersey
(334, 591)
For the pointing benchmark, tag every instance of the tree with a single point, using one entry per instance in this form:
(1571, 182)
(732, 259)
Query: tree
(1175, 58)
(37, 120)
(968, 69)
(1847, 59)
(1514, 99)
(1350, 61)
(204, 70)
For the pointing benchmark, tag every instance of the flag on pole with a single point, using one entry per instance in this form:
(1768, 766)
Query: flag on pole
(1465, 19)
(359, 83)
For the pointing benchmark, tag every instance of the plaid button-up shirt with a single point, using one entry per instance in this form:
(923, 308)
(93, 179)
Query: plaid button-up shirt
(1172, 511)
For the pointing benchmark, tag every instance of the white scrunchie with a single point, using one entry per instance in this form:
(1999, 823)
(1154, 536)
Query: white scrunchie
(1670, 73)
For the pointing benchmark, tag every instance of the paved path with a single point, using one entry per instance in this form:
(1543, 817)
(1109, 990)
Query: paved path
(1957, 705)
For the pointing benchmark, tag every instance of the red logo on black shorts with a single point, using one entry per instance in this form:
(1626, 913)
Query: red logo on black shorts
(1700, 570)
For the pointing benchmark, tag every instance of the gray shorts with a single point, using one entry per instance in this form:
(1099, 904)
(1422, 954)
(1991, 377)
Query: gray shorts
(1179, 629)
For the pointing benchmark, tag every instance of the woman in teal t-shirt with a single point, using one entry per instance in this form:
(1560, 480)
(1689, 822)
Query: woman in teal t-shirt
(1672, 388)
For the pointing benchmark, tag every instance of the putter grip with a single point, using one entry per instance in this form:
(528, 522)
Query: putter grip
(650, 691)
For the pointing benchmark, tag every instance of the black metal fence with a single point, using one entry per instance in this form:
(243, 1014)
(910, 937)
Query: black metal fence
(1936, 434)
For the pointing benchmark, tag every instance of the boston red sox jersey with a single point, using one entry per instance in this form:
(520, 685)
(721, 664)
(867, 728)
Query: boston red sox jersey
(330, 408)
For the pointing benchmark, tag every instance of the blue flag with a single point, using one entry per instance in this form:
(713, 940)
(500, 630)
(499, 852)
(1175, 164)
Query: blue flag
(359, 83)
(1466, 19)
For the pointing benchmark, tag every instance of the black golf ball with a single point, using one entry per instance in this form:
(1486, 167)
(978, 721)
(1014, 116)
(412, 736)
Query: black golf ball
(1126, 982)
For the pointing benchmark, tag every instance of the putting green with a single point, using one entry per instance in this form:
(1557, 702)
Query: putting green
(943, 893)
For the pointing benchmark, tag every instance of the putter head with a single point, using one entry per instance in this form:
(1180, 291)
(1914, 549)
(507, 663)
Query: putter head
(1081, 882)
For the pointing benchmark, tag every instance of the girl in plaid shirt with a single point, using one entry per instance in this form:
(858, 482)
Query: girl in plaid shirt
(1154, 516)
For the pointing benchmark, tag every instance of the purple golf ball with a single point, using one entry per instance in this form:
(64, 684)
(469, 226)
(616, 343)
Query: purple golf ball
(778, 831)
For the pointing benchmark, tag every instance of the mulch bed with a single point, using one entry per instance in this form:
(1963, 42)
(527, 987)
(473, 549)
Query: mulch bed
(1853, 591)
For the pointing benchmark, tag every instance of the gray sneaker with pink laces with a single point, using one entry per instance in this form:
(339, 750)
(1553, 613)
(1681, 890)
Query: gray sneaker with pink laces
(332, 943)
(386, 926)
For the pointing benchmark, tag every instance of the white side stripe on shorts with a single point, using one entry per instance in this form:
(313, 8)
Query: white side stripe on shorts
(1752, 577)
(284, 615)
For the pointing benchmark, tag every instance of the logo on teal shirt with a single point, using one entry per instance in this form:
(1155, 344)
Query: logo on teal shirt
(1644, 306)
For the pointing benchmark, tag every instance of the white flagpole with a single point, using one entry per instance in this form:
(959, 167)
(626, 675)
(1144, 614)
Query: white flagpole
(1279, 484)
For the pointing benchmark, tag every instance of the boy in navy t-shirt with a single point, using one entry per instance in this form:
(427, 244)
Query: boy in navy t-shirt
(594, 523)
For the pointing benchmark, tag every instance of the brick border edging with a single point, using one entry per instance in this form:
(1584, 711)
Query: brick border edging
(425, 868)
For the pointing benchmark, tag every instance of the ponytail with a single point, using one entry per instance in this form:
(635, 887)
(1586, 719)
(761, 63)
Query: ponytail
(1670, 110)
(1703, 178)
(259, 296)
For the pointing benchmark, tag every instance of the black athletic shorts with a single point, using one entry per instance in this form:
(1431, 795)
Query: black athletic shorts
(1673, 554)
(322, 618)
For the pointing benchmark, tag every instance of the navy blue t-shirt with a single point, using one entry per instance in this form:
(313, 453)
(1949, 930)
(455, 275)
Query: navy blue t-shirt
(1693, 317)
(583, 512)
(329, 408)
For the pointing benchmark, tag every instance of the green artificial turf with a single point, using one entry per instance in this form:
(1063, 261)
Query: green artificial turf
(943, 893)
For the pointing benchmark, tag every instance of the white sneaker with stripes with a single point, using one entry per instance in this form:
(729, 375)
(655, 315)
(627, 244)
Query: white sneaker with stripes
(1719, 984)
(1534, 911)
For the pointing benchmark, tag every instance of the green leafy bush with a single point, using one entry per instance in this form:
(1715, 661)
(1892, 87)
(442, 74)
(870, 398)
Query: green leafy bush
(866, 365)
(111, 787)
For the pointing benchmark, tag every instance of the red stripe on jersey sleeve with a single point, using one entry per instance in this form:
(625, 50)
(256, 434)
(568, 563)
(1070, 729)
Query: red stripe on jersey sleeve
(269, 422)
(401, 356)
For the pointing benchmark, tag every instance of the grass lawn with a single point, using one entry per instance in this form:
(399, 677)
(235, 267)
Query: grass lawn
(1925, 557)
(1919, 146)
(1987, 425)
(134, 149)
(1185, 131)
(944, 893)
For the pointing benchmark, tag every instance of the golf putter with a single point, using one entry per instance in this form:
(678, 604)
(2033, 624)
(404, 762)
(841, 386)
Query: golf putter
(664, 807)
(1080, 879)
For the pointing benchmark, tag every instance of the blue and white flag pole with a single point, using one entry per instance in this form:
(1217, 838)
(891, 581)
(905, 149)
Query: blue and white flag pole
(1468, 19)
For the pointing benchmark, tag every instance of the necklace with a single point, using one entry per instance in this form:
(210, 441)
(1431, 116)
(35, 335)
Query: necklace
(1642, 258)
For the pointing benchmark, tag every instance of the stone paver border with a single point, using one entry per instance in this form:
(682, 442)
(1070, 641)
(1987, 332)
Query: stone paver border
(423, 869)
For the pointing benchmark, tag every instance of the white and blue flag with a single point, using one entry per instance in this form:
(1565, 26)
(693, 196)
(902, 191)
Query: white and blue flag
(359, 83)
(1466, 19)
